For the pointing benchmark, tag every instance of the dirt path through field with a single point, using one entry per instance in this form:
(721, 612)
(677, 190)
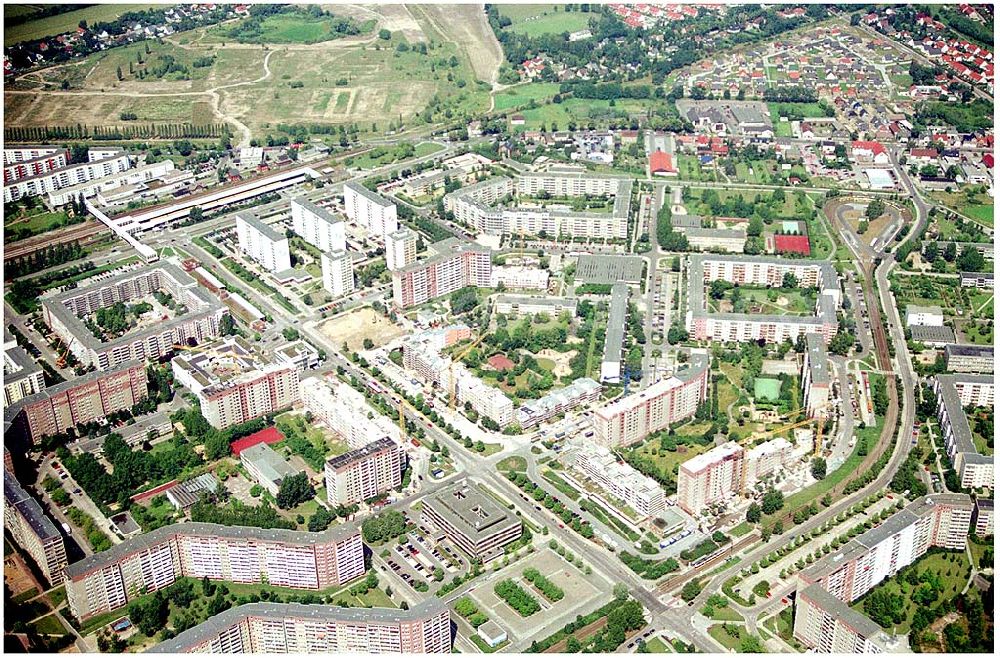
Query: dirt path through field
(466, 26)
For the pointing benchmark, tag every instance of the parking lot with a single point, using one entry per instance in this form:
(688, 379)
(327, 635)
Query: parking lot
(417, 559)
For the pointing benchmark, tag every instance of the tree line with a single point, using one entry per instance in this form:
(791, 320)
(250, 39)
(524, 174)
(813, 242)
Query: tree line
(115, 133)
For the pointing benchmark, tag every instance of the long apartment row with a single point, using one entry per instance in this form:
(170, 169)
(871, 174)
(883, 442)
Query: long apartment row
(824, 620)
(477, 205)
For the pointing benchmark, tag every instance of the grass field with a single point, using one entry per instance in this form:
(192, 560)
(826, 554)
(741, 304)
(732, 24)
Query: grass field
(804, 110)
(537, 20)
(336, 82)
(62, 23)
(523, 94)
(288, 28)
(953, 570)
(657, 645)
(731, 640)
(581, 111)
(667, 461)
(765, 388)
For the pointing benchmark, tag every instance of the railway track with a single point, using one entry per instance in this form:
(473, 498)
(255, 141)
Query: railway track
(82, 233)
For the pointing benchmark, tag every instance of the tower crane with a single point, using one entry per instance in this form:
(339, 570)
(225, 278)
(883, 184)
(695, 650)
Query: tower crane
(451, 369)
(819, 418)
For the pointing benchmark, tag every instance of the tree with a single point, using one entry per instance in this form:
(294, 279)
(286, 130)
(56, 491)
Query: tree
(753, 513)
(620, 590)
(884, 608)
(384, 34)
(755, 227)
(875, 209)
(294, 490)
(818, 468)
(691, 590)
(970, 260)
(772, 501)
(790, 281)
(752, 644)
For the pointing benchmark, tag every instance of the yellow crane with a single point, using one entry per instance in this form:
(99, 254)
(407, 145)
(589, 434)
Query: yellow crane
(819, 418)
(451, 369)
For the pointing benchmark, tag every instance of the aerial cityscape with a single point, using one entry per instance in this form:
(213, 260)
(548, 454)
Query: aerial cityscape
(504, 328)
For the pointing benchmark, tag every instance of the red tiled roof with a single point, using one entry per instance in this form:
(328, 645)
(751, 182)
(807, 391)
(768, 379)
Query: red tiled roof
(660, 161)
(797, 244)
(269, 435)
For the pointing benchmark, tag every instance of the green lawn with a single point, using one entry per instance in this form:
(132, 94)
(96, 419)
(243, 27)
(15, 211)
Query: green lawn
(765, 388)
(657, 645)
(582, 112)
(730, 641)
(725, 613)
(561, 484)
(804, 110)
(741, 529)
(668, 461)
(538, 20)
(952, 568)
(512, 463)
(983, 214)
(524, 94)
(49, 625)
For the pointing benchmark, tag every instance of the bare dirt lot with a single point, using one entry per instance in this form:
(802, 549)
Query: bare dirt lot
(354, 327)
(561, 360)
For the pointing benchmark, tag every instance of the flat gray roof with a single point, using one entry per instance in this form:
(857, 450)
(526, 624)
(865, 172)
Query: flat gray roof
(160, 535)
(949, 397)
(258, 225)
(922, 333)
(614, 337)
(608, 269)
(517, 300)
(360, 453)
(442, 250)
(816, 349)
(685, 221)
(28, 507)
(956, 349)
(321, 212)
(271, 465)
(374, 197)
(205, 304)
(474, 513)
(861, 624)
(223, 621)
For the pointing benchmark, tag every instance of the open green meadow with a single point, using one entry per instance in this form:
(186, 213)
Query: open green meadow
(521, 95)
(538, 20)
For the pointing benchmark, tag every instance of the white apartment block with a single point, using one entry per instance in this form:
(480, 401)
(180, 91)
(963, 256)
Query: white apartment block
(318, 226)
(954, 394)
(525, 305)
(29, 161)
(828, 625)
(632, 418)
(760, 271)
(520, 277)
(815, 377)
(113, 162)
(534, 412)
(364, 473)
(451, 265)
(474, 206)
(370, 210)
(338, 273)
(120, 187)
(421, 354)
(982, 517)
(710, 477)
(22, 376)
(642, 494)
(108, 580)
(293, 628)
(765, 459)
(345, 411)
(968, 358)
(400, 249)
(262, 243)
(30, 529)
(864, 562)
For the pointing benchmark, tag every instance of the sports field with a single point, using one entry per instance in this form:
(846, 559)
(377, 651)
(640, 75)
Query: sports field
(765, 388)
